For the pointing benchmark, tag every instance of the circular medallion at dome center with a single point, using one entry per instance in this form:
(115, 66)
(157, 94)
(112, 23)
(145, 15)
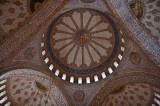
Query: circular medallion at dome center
(81, 39)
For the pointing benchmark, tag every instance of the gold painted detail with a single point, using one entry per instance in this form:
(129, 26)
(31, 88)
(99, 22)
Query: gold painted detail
(40, 86)
(137, 8)
(119, 90)
(82, 37)
(135, 58)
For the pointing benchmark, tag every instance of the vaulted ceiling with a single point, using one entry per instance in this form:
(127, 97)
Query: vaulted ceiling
(79, 52)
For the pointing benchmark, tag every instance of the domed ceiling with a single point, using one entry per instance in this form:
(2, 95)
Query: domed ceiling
(83, 45)
(79, 53)
(138, 94)
(26, 87)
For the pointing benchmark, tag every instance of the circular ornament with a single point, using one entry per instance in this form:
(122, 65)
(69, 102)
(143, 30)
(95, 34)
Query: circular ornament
(79, 95)
(83, 45)
(30, 53)
(135, 58)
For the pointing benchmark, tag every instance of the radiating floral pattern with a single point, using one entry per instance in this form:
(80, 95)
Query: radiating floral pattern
(83, 46)
(82, 39)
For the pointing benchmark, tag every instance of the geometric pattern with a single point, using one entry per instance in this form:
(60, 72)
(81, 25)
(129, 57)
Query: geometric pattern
(83, 46)
(150, 15)
(135, 94)
(25, 87)
(132, 26)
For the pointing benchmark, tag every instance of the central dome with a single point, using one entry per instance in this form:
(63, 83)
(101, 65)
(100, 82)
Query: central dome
(82, 41)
